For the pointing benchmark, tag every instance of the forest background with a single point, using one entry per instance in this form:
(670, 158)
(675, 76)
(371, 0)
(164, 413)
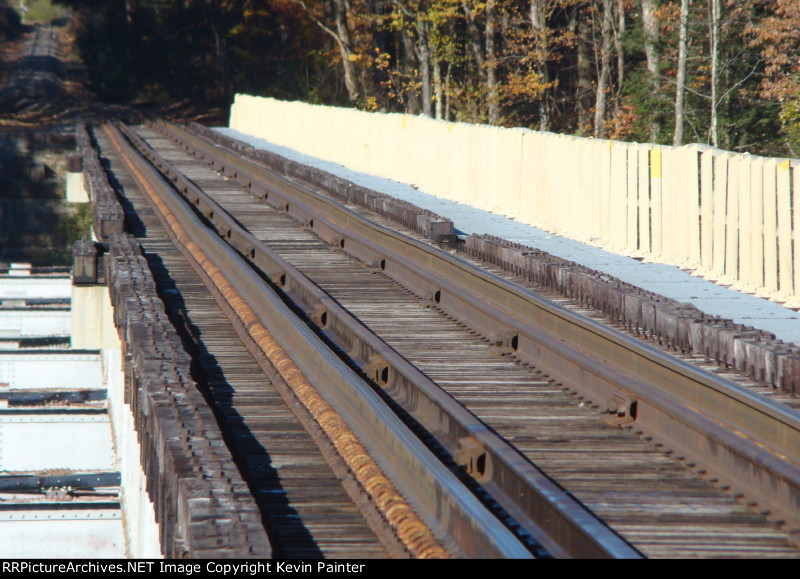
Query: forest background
(721, 72)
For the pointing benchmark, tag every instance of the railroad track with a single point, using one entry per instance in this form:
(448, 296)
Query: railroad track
(39, 90)
(503, 388)
(37, 77)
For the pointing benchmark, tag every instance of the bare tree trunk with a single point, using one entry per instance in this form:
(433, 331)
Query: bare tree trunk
(650, 24)
(579, 26)
(620, 30)
(346, 49)
(447, 92)
(715, 30)
(601, 98)
(474, 38)
(538, 17)
(425, 66)
(213, 14)
(438, 89)
(342, 38)
(491, 65)
(409, 66)
(680, 89)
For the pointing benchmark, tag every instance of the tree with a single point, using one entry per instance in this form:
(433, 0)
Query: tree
(680, 82)
(601, 99)
(341, 35)
(653, 55)
(777, 35)
(715, 33)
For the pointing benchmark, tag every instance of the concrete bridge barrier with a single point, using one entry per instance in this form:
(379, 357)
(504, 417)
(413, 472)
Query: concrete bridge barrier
(728, 216)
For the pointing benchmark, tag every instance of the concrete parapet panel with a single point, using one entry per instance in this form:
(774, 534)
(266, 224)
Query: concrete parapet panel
(720, 207)
(485, 182)
(528, 190)
(565, 201)
(440, 150)
(603, 189)
(672, 177)
(786, 225)
(584, 200)
(464, 171)
(503, 169)
(397, 139)
(618, 197)
(547, 178)
(477, 136)
(706, 212)
(551, 201)
(692, 199)
(787, 262)
(77, 191)
(755, 275)
(656, 194)
(632, 199)
(746, 223)
(643, 194)
(347, 136)
(732, 221)
(380, 133)
(430, 143)
(92, 319)
(770, 200)
(795, 180)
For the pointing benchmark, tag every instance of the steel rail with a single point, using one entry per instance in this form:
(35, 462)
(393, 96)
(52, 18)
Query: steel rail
(438, 497)
(537, 505)
(745, 442)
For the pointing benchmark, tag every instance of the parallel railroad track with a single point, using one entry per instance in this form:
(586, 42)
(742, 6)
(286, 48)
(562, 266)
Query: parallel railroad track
(433, 338)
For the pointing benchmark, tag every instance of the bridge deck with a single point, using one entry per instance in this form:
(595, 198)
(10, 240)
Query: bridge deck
(306, 511)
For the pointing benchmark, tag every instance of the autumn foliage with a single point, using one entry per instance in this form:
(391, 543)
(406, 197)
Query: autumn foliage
(604, 68)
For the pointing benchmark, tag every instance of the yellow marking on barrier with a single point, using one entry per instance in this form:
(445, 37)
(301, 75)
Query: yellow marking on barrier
(655, 164)
(410, 529)
(785, 165)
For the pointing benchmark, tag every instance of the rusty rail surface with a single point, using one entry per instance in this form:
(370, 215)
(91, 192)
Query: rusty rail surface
(443, 502)
(748, 443)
